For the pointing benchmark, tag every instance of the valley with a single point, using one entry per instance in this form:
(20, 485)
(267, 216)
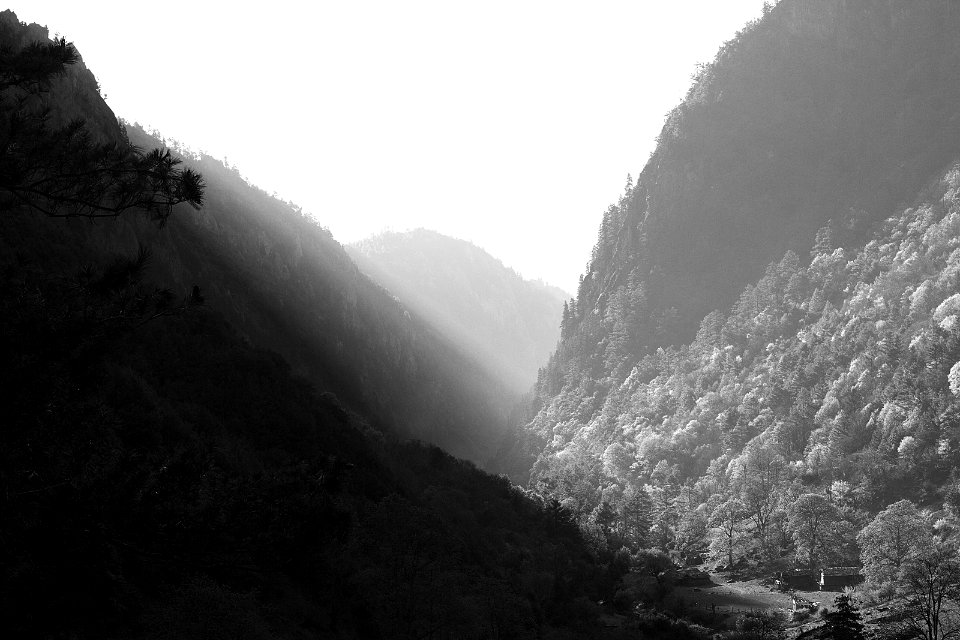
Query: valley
(222, 423)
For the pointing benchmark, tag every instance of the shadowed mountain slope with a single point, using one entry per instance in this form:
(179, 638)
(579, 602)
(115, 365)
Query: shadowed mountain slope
(163, 475)
(287, 284)
(282, 280)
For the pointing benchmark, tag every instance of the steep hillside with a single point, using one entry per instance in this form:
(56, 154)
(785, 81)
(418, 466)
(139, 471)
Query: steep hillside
(821, 390)
(284, 283)
(505, 322)
(839, 378)
(821, 111)
(161, 477)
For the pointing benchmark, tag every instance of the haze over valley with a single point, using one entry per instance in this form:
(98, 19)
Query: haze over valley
(507, 324)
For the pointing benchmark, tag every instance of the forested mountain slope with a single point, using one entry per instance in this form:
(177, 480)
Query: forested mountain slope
(821, 407)
(828, 388)
(161, 477)
(822, 110)
(837, 379)
(508, 324)
(842, 366)
(285, 284)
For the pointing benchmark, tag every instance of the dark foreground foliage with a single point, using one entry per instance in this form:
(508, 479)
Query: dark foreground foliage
(165, 479)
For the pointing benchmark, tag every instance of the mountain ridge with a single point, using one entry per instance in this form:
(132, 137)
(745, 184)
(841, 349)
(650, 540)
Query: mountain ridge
(507, 323)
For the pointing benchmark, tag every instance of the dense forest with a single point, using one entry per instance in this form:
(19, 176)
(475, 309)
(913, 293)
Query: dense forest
(508, 324)
(164, 479)
(836, 375)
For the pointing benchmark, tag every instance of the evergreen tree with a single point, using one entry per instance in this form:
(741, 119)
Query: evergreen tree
(844, 623)
(559, 518)
(823, 244)
(636, 513)
(605, 517)
(66, 171)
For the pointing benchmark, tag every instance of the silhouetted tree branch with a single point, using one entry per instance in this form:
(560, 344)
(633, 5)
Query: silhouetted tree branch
(34, 66)
(64, 172)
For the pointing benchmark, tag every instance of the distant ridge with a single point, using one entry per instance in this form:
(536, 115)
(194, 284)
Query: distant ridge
(508, 324)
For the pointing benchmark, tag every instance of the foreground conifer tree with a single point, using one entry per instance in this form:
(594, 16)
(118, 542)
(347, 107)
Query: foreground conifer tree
(65, 171)
(844, 623)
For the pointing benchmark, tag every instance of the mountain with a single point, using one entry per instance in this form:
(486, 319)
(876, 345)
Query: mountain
(823, 114)
(164, 474)
(822, 110)
(508, 324)
(163, 478)
(838, 377)
(762, 361)
(284, 282)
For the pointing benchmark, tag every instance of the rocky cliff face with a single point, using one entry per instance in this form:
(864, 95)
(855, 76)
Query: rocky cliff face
(76, 93)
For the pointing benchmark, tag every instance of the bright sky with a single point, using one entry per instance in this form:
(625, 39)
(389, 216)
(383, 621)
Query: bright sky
(512, 124)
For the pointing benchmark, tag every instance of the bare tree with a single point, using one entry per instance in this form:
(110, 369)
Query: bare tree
(931, 593)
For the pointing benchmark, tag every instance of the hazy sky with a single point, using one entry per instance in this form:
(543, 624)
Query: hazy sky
(510, 124)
